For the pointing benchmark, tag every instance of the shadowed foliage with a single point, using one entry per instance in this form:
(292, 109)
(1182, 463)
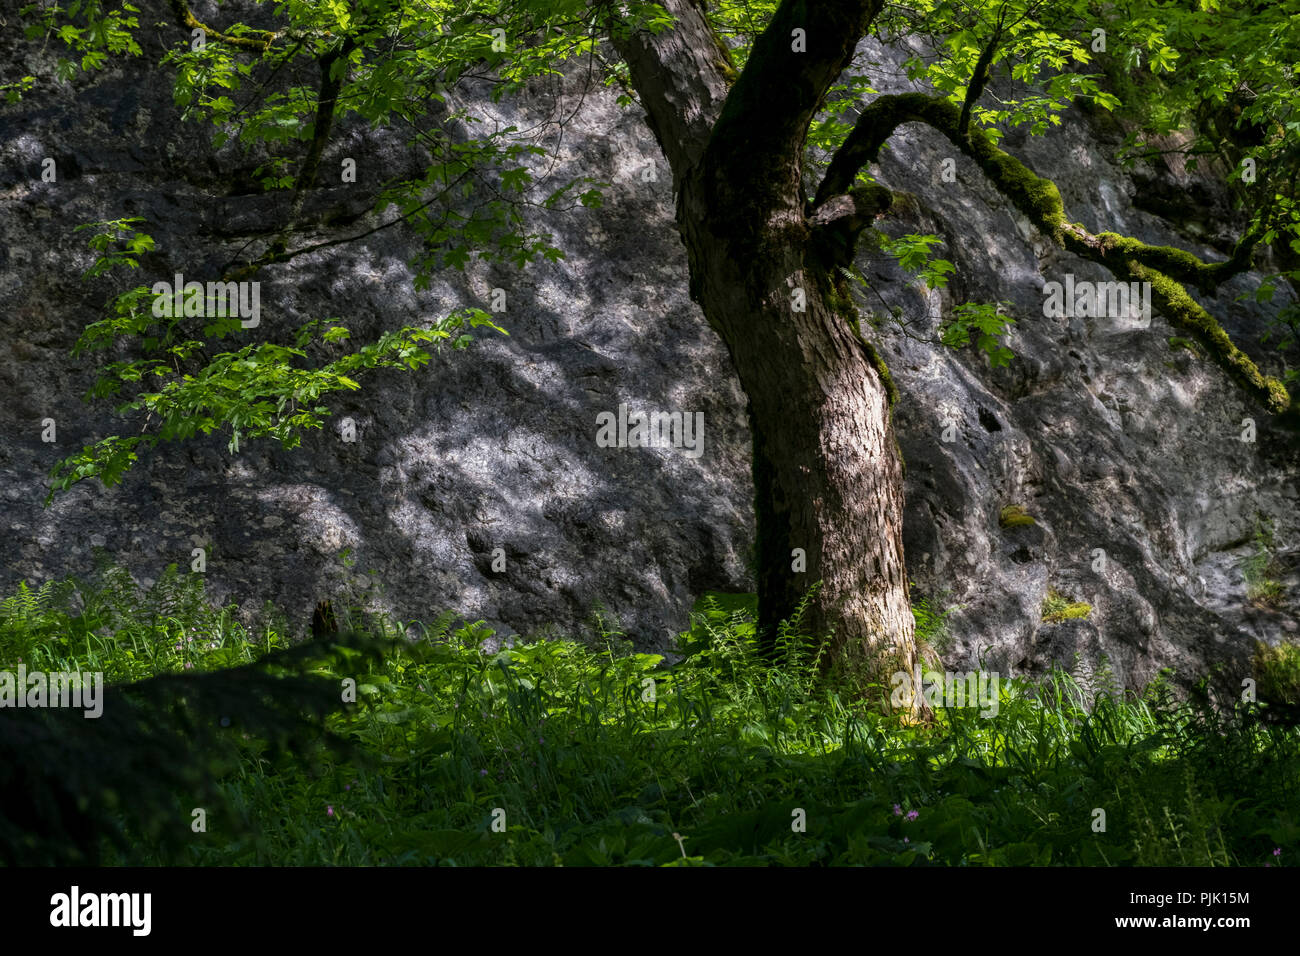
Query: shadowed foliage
(323, 621)
(68, 783)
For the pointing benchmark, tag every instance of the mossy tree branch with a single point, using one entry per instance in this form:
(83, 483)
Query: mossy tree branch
(1165, 267)
(259, 40)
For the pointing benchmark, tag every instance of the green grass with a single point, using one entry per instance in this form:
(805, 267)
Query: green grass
(563, 753)
(1277, 672)
(1261, 567)
(932, 634)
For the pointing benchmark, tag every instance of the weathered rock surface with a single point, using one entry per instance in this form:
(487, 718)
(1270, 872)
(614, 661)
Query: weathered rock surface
(1109, 437)
(1125, 448)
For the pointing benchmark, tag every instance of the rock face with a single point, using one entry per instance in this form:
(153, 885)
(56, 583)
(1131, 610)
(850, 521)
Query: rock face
(1125, 451)
(1124, 446)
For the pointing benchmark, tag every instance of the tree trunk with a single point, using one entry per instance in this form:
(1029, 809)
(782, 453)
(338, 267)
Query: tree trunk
(827, 470)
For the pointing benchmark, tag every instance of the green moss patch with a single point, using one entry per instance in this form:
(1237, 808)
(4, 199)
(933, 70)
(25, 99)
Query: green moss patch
(1014, 516)
(1178, 342)
(1057, 607)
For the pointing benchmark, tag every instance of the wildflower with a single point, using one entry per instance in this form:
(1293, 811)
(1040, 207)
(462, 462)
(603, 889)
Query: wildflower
(189, 665)
(898, 811)
(329, 811)
(483, 772)
(912, 814)
(907, 839)
(1277, 851)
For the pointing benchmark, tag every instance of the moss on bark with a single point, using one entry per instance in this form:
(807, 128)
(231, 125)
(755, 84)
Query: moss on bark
(1165, 267)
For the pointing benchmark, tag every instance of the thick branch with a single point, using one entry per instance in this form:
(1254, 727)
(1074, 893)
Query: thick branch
(979, 79)
(766, 117)
(837, 224)
(1038, 199)
(685, 80)
(681, 77)
(876, 123)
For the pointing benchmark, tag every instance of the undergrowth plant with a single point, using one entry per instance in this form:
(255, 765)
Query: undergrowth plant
(1261, 568)
(556, 752)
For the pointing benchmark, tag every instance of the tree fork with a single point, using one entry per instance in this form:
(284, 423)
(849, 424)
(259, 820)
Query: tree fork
(827, 474)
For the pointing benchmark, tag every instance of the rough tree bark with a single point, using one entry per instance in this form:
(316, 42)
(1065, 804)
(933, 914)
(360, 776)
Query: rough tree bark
(827, 469)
